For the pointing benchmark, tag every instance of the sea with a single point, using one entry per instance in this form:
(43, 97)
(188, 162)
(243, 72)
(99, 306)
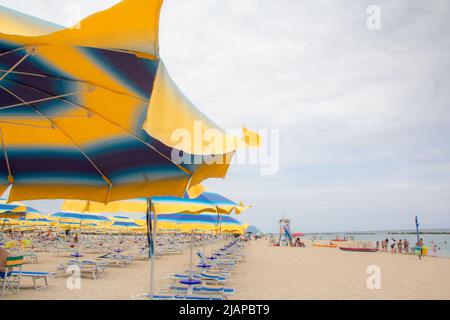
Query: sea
(441, 237)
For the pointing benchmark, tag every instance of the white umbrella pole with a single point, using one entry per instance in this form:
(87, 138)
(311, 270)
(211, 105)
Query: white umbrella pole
(190, 256)
(152, 274)
(151, 243)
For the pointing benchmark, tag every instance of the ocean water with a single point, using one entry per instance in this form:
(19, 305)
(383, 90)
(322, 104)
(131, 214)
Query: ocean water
(441, 237)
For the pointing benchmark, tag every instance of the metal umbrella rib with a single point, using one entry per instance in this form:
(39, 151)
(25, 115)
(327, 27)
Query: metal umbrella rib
(54, 125)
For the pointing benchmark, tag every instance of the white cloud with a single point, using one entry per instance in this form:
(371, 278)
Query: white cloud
(363, 114)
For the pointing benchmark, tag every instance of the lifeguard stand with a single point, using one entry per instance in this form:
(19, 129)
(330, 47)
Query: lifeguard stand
(285, 233)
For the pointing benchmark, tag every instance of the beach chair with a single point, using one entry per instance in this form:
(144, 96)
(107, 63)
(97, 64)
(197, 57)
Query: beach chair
(35, 276)
(216, 262)
(115, 260)
(208, 290)
(206, 279)
(10, 281)
(30, 257)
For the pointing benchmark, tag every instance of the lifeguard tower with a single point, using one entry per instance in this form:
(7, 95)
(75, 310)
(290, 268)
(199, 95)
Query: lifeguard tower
(285, 233)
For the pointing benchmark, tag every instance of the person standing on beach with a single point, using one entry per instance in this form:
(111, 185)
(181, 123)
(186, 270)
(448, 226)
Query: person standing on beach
(405, 246)
(393, 246)
(387, 244)
(399, 246)
(435, 249)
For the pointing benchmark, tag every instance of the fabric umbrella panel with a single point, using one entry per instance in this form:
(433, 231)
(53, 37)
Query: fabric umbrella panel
(124, 224)
(204, 222)
(75, 219)
(75, 103)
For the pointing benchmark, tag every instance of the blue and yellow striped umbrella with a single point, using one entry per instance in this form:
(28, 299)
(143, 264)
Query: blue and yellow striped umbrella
(16, 210)
(206, 202)
(199, 222)
(125, 224)
(91, 112)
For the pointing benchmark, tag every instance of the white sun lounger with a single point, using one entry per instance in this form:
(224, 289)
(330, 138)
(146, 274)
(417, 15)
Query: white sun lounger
(35, 275)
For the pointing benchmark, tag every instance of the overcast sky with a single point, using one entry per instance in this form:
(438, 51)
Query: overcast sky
(364, 115)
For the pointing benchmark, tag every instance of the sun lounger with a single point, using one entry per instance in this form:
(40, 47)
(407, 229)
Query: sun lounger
(87, 267)
(116, 260)
(30, 257)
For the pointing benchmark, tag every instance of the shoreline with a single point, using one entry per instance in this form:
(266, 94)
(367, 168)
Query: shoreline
(270, 273)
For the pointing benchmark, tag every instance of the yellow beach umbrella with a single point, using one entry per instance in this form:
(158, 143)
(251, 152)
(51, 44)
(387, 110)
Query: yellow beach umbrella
(91, 112)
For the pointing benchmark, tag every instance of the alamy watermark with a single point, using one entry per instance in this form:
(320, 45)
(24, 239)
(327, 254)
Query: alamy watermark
(373, 21)
(212, 146)
(73, 281)
(374, 280)
(73, 17)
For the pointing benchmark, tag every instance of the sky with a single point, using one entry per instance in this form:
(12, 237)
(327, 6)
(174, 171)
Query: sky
(362, 114)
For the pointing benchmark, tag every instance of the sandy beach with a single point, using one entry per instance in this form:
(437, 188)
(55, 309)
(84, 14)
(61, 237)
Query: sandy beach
(271, 273)
(329, 273)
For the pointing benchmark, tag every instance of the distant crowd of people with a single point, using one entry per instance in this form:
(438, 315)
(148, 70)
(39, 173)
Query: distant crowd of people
(48, 235)
(298, 243)
(395, 246)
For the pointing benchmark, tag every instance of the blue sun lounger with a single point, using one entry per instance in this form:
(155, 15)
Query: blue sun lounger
(203, 289)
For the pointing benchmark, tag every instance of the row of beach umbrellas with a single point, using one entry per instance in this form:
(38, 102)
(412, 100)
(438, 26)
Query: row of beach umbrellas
(180, 222)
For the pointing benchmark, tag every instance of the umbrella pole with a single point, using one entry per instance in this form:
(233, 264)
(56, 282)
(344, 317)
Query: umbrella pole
(155, 229)
(151, 236)
(418, 238)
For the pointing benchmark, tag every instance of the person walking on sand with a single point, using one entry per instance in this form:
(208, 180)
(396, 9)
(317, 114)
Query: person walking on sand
(3, 256)
(435, 249)
(420, 245)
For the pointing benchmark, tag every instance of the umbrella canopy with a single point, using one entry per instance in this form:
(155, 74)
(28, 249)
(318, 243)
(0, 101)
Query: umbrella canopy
(199, 222)
(80, 218)
(76, 103)
(206, 202)
(298, 234)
